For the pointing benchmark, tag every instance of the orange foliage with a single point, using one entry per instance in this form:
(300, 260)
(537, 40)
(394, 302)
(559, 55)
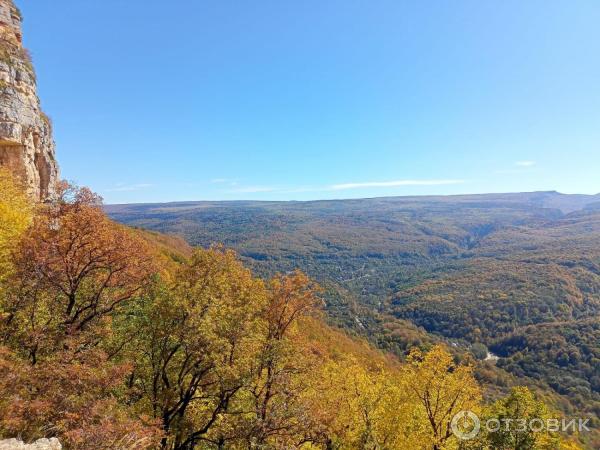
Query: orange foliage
(73, 269)
(71, 396)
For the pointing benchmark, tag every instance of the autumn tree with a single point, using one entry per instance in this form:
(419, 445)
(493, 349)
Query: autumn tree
(194, 347)
(215, 357)
(281, 366)
(73, 396)
(361, 407)
(73, 269)
(442, 389)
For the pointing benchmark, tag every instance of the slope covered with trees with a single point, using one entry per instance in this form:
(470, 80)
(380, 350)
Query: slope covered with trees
(474, 271)
(111, 338)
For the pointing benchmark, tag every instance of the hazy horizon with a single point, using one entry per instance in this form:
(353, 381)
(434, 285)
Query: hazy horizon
(348, 198)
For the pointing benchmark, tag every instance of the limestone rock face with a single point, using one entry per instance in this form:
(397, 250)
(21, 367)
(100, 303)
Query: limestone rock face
(42, 444)
(26, 143)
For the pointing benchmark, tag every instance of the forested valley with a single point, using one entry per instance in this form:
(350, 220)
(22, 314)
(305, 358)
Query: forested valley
(509, 279)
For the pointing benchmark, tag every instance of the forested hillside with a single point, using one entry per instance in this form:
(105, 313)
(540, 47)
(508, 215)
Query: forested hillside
(484, 271)
(114, 338)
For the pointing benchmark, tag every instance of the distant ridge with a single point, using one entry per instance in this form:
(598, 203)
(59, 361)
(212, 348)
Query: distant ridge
(545, 199)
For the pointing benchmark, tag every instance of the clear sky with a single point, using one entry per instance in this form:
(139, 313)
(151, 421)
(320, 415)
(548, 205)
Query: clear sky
(157, 100)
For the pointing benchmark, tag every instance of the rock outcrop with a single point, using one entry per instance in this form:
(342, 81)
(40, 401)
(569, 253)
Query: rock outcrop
(26, 143)
(42, 444)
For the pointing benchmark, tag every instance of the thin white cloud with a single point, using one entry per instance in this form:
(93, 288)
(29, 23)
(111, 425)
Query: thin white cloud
(253, 189)
(340, 187)
(520, 167)
(121, 187)
(395, 183)
(525, 163)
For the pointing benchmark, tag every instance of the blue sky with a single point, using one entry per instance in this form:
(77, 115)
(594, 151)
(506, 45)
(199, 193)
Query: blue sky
(312, 99)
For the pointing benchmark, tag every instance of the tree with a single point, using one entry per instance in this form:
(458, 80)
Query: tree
(281, 367)
(362, 407)
(514, 413)
(73, 395)
(479, 351)
(73, 269)
(442, 389)
(194, 347)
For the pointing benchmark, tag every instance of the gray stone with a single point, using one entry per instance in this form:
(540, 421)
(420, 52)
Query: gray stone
(42, 444)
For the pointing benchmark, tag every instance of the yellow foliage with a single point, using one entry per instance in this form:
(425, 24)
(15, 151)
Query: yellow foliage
(362, 408)
(441, 389)
(15, 217)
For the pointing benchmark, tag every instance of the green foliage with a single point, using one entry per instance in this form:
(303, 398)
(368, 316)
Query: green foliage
(479, 350)
(565, 355)
(512, 426)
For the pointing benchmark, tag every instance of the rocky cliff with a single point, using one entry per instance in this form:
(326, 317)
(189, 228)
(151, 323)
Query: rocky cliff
(26, 144)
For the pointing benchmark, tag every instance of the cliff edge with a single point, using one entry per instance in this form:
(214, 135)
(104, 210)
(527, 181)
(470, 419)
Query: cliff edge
(26, 143)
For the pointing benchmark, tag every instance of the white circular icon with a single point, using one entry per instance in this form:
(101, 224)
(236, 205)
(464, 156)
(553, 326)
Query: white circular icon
(465, 425)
